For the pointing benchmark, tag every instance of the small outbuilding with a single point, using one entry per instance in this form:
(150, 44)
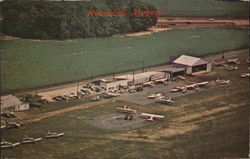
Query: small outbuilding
(192, 64)
(11, 103)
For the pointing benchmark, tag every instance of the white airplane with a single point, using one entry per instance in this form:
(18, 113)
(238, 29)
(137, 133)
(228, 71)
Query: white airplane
(126, 109)
(169, 100)
(156, 96)
(152, 96)
(180, 77)
(147, 84)
(231, 68)
(233, 61)
(222, 82)
(196, 85)
(160, 81)
(151, 117)
(244, 75)
(179, 89)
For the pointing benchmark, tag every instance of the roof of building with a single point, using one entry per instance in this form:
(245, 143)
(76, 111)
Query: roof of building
(10, 101)
(140, 75)
(189, 60)
(110, 80)
(171, 69)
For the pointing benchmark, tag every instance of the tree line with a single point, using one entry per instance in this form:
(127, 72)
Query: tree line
(62, 20)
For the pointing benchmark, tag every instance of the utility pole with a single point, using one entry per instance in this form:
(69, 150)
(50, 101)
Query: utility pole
(114, 72)
(223, 57)
(133, 76)
(143, 70)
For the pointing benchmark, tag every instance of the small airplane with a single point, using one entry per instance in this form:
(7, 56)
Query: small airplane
(222, 82)
(5, 144)
(179, 89)
(159, 96)
(156, 96)
(12, 124)
(151, 117)
(244, 75)
(180, 77)
(147, 84)
(231, 68)
(152, 96)
(160, 81)
(233, 61)
(219, 63)
(169, 100)
(126, 109)
(53, 134)
(197, 85)
(27, 140)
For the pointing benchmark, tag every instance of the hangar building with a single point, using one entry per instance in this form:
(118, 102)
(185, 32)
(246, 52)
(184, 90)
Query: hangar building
(192, 64)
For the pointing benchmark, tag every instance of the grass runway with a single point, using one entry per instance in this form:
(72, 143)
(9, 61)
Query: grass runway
(33, 63)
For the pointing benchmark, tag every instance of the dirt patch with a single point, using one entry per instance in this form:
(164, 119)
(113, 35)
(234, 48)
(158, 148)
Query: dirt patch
(116, 121)
(6, 37)
(150, 31)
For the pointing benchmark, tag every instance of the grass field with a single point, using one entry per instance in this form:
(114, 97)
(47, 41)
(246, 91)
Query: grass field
(209, 124)
(33, 63)
(208, 8)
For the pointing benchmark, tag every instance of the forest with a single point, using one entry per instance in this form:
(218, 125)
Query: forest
(64, 20)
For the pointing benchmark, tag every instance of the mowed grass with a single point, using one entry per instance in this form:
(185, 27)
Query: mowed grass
(208, 8)
(32, 63)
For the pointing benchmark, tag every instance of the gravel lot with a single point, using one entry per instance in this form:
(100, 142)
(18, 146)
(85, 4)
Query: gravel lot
(141, 97)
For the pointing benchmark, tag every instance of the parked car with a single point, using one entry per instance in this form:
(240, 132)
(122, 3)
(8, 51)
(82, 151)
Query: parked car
(139, 89)
(72, 95)
(96, 98)
(57, 98)
(87, 92)
(132, 90)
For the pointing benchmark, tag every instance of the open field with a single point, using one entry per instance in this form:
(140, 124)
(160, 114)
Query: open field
(33, 63)
(209, 8)
(209, 124)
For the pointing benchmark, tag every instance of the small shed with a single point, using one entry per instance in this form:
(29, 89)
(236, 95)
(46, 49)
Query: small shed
(11, 103)
(192, 64)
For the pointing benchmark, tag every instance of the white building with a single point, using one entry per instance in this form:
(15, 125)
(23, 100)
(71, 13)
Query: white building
(11, 103)
(111, 84)
(144, 77)
(192, 64)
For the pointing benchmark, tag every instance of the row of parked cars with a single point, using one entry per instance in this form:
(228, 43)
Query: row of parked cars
(81, 93)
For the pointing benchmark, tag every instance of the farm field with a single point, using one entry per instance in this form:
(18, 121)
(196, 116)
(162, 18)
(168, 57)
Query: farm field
(199, 8)
(31, 63)
(208, 124)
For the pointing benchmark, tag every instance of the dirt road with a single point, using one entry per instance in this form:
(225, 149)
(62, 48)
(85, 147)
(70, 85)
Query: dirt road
(200, 22)
(35, 118)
